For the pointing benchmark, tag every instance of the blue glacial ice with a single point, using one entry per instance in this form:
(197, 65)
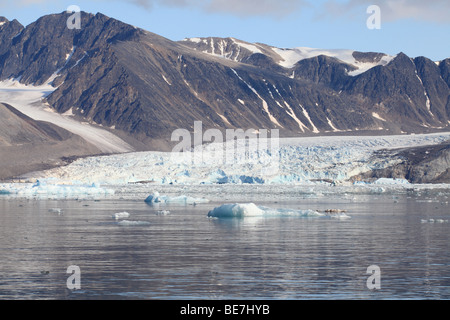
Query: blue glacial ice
(156, 198)
(243, 210)
(49, 190)
(298, 161)
(129, 223)
(121, 215)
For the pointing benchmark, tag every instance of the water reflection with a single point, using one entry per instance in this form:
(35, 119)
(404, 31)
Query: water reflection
(185, 255)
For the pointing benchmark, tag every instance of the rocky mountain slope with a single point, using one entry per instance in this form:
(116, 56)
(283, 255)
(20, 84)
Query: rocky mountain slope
(145, 86)
(27, 145)
(425, 164)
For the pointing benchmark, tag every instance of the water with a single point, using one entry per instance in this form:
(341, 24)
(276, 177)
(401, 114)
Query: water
(185, 255)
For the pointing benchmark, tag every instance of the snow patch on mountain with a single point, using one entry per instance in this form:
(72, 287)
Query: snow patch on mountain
(289, 57)
(28, 100)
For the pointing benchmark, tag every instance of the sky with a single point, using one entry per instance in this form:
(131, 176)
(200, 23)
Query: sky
(415, 27)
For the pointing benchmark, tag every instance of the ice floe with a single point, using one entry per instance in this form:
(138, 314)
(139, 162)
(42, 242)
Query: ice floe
(433, 221)
(157, 199)
(243, 210)
(44, 190)
(121, 215)
(56, 210)
(129, 223)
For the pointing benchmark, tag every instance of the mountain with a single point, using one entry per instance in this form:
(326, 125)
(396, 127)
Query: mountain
(424, 164)
(27, 145)
(144, 86)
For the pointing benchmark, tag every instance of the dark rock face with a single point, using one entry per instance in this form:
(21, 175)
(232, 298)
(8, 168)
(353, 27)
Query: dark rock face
(428, 164)
(146, 86)
(326, 70)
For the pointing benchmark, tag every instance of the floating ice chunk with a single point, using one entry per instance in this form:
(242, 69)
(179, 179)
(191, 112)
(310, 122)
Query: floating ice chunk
(56, 210)
(240, 210)
(340, 216)
(434, 221)
(121, 215)
(163, 212)
(128, 223)
(157, 198)
(236, 211)
(392, 181)
(42, 189)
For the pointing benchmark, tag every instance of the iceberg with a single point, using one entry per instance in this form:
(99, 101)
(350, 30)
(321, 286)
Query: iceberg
(390, 181)
(163, 212)
(242, 210)
(56, 210)
(121, 215)
(128, 223)
(41, 189)
(236, 211)
(156, 198)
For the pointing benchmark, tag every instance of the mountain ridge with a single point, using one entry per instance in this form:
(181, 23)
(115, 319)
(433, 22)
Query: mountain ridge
(145, 86)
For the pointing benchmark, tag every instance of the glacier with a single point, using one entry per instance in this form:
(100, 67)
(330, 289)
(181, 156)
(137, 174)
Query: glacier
(296, 161)
(308, 166)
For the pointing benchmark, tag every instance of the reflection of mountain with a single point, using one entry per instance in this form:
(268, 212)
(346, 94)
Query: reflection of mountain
(142, 85)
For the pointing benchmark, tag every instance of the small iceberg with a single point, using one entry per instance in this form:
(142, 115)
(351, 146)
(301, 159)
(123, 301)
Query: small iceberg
(157, 198)
(121, 215)
(56, 210)
(390, 181)
(434, 221)
(128, 223)
(42, 189)
(240, 210)
(236, 211)
(163, 212)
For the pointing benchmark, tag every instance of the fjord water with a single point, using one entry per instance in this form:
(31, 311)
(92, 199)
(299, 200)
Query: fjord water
(185, 255)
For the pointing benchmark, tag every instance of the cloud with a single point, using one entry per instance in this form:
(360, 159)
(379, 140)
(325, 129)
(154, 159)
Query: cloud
(392, 10)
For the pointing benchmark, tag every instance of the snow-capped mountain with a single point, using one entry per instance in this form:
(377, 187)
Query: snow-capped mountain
(241, 51)
(142, 87)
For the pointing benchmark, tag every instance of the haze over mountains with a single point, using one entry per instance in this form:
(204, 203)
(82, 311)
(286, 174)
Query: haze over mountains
(142, 86)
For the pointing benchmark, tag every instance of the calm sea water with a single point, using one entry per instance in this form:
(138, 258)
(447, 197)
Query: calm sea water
(185, 255)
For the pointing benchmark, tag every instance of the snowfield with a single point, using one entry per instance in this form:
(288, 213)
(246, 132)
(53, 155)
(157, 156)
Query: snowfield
(27, 99)
(292, 56)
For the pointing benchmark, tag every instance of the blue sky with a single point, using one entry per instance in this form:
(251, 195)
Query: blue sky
(415, 27)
